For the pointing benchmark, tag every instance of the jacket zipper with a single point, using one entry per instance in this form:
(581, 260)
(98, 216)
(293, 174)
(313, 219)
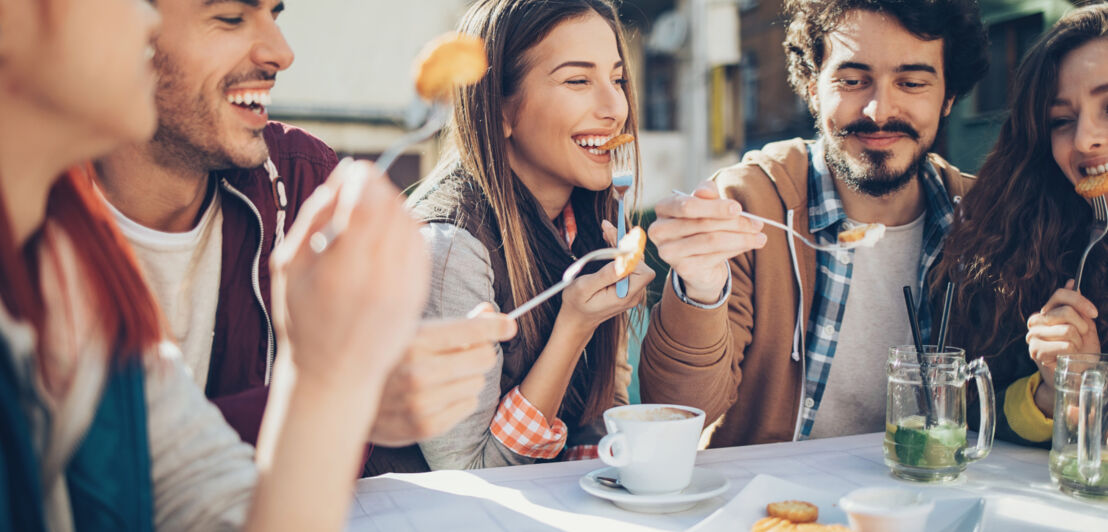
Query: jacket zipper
(798, 330)
(269, 351)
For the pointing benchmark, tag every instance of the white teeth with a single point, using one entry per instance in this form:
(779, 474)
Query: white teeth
(1095, 170)
(149, 52)
(592, 142)
(249, 98)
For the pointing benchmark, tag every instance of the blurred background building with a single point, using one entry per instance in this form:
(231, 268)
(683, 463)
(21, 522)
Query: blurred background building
(710, 74)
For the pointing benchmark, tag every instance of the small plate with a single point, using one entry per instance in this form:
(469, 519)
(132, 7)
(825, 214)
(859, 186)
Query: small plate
(705, 484)
(749, 505)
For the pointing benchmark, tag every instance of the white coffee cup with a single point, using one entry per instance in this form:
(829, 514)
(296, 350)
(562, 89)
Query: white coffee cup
(653, 446)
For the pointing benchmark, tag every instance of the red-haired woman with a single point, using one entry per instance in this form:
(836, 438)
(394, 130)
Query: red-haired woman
(100, 427)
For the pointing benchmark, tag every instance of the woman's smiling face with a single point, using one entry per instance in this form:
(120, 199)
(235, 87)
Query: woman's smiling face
(1079, 113)
(572, 97)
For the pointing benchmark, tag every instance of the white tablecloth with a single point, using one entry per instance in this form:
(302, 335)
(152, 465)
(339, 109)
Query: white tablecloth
(547, 496)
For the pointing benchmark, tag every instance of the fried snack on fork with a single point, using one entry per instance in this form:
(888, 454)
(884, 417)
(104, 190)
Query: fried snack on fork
(452, 60)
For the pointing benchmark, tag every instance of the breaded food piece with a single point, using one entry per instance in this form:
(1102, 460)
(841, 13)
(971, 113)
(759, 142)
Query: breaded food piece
(633, 245)
(616, 141)
(855, 234)
(451, 60)
(773, 524)
(816, 527)
(795, 511)
(1093, 186)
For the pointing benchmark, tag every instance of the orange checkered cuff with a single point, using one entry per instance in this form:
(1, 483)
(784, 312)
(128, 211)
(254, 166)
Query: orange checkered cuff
(524, 430)
(581, 452)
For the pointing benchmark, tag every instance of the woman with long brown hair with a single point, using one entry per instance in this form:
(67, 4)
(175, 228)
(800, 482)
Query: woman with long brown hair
(521, 193)
(101, 428)
(1016, 248)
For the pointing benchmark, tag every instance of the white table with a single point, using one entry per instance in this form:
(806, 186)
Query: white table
(547, 496)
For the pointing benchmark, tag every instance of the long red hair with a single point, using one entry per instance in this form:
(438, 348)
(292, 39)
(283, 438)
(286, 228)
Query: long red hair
(126, 308)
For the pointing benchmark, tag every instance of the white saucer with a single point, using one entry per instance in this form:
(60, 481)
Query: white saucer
(705, 484)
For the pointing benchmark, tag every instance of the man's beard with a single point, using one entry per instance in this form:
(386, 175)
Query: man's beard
(188, 128)
(872, 176)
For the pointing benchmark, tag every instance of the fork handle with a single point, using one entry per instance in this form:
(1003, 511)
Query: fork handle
(1081, 270)
(621, 230)
(787, 229)
(436, 118)
(567, 278)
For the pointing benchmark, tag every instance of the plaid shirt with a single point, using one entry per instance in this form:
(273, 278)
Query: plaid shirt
(825, 219)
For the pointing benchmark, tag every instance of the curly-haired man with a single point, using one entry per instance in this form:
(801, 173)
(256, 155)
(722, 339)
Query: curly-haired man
(777, 341)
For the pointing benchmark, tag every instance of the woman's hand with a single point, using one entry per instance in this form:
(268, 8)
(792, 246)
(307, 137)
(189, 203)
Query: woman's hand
(343, 317)
(591, 299)
(1065, 325)
(347, 314)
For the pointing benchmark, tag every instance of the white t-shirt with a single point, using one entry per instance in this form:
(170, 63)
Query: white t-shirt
(183, 271)
(874, 319)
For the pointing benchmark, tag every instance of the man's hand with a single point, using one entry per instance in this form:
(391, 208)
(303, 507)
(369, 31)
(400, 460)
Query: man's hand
(696, 235)
(436, 383)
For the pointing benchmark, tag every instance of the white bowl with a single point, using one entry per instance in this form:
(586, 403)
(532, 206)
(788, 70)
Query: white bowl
(886, 509)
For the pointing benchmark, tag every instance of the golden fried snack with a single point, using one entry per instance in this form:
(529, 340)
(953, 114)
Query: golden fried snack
(1093, 186)
(451, 60)
(773, 524)
(795, 511)
(816, 527)
(855, 234)
(618, 140)
(633, 244)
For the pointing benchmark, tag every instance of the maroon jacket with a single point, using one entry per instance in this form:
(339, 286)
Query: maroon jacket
(243, 342)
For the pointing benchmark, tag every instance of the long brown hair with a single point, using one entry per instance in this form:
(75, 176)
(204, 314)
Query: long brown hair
(477, 146)
(124, 306)
(1022, 227)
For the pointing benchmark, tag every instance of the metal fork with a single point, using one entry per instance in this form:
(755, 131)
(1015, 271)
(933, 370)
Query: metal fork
(436, 118)
(814, 245)
(623, 177)
(1096, 233)
(571, 273)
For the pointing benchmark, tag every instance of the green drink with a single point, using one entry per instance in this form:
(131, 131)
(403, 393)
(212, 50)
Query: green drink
(1063, 469)
(915, 452)
(937, 451)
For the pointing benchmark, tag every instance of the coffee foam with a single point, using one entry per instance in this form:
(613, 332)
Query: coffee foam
(664, 413)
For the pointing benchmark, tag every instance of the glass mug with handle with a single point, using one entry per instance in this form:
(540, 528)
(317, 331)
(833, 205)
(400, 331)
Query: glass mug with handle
(1079, 449)
(928, 443)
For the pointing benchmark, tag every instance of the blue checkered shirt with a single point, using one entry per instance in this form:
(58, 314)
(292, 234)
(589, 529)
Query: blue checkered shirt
(825, 219)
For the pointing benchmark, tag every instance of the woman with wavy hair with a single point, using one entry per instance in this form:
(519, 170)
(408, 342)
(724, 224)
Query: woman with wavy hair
(1016, 248)
(522, 192)
(101, 427)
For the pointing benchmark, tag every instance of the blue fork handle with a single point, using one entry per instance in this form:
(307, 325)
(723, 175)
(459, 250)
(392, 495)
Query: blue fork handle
(621, 229)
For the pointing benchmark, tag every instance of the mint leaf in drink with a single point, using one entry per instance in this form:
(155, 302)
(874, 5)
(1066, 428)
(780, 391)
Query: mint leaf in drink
(911, 440)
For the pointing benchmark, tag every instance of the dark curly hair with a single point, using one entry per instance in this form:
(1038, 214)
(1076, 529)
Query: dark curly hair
(1024, 227)
(956, 22)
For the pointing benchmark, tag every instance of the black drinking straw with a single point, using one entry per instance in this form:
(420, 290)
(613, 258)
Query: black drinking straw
(946, 316)
(913, 323)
